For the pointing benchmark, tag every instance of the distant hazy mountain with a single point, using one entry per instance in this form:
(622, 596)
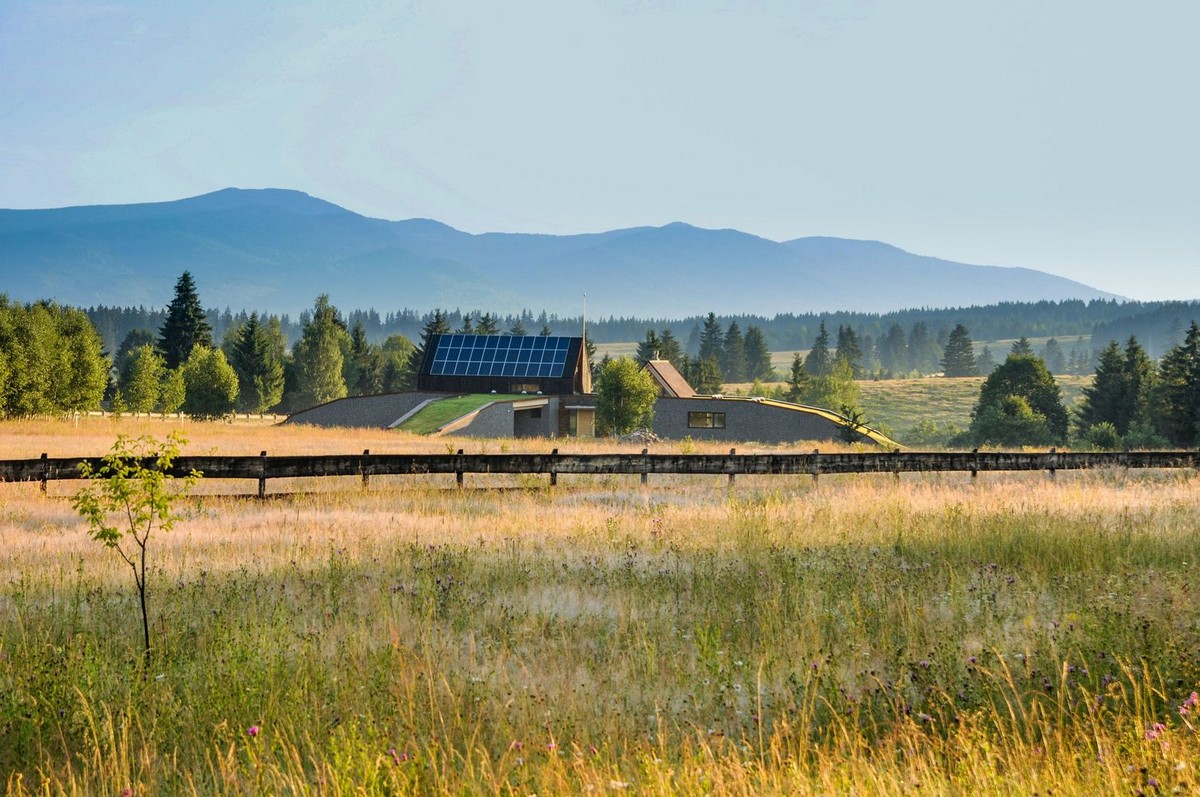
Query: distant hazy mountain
(275, 250)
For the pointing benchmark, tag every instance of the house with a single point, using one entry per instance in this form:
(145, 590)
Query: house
(482, 386)
(524, 386)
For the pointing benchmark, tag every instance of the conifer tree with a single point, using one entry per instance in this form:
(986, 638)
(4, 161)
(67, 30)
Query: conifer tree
(958, 358)
(1022, 347)
(819, 361)
(436, 325)
(647, 349)
(849, 349)
(758, 357)
(733, 354)
(669, 348)
(985, 363)
(255, 352)
(1177, 396)
(712, 339)
(186, 325)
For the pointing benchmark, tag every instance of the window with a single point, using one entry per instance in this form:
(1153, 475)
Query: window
(706, 420)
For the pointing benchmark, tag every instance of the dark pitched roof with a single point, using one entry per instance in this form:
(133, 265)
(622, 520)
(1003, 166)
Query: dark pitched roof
(670, 382)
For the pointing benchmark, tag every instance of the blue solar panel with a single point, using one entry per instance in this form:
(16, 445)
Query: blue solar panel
(500, 355)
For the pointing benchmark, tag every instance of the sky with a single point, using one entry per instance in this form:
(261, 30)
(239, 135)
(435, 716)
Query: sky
(1062, 136)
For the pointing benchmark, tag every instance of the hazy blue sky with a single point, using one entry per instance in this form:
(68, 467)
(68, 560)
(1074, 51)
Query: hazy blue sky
(1059, 135)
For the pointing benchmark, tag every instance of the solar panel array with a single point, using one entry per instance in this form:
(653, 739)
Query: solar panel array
(500, 355)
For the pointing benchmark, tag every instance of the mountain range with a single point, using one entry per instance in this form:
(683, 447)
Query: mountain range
(275, 250)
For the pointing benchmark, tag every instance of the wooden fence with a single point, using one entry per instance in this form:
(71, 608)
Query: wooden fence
(815, 464)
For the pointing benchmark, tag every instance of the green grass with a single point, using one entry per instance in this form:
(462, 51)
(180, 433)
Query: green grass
(901, 404)
(1014, 636)
(439, 413)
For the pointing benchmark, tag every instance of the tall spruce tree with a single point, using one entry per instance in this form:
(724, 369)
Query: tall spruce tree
(255, 352)
(819, 361)
(958, 358)
(1105, 399)
(712, 339)
(437, 324)
(669, 347)
(1177, 396)
(849, 349)
(733, 354)
(186, 325)
(647, 349)
(758, 357)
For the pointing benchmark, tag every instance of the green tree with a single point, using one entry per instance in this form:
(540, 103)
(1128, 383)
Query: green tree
(712, 339)
(1025, 377)
(134, 340)
(837, 390)
(1177, 396)
(799, 381)
(733, 354)
(437, 324)
(211, 385)
(985, 363)
(1010, 421)
(80, 370)
(625, 396)
(1022, 347)
(174, 391)
(518, 329)
(395, 355)
(488, 325)
(819, 361)
(318, 356)
(849, 349)
(129, 501)
(186, 325)
(647, 349)
(141, 382)
(363, 366)
(924, 354)
(1052, 355)
(893, 351)
(255, 351)
(958, 358)
(758, 357)
(1105, 399)
(669, 348)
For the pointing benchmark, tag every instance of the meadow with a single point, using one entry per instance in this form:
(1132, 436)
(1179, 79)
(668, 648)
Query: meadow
(1014, 635)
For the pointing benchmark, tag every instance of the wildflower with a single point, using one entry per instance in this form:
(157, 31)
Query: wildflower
(253, 731)
(972, 660)
(1155, 730)
(126, 792)
(1192, 701)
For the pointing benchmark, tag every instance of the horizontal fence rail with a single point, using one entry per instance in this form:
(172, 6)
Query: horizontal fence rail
(262, 468)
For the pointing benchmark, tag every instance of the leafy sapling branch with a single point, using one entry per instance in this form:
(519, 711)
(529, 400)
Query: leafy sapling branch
(130, 496)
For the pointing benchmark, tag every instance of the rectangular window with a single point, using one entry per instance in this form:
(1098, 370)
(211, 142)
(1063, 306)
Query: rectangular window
(706, 420)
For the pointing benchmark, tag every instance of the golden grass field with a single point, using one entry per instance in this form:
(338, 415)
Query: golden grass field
(1014, 636)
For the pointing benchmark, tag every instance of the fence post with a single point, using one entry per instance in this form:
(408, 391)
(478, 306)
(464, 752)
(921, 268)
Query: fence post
(896, 464)
(366, 468)
(645, 466)
(816, 465)
(262, 475)
(732, 475)
(1053, 460)
(975, 464)
(458, 472)
(45, 473)
(554, 467)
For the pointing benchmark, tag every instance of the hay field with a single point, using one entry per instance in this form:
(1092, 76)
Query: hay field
(1019, 635)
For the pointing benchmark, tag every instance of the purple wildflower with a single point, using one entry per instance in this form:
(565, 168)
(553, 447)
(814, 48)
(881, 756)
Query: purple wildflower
(253, 731)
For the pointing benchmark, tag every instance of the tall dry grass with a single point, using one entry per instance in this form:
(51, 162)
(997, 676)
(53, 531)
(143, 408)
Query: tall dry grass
(1013, 636)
